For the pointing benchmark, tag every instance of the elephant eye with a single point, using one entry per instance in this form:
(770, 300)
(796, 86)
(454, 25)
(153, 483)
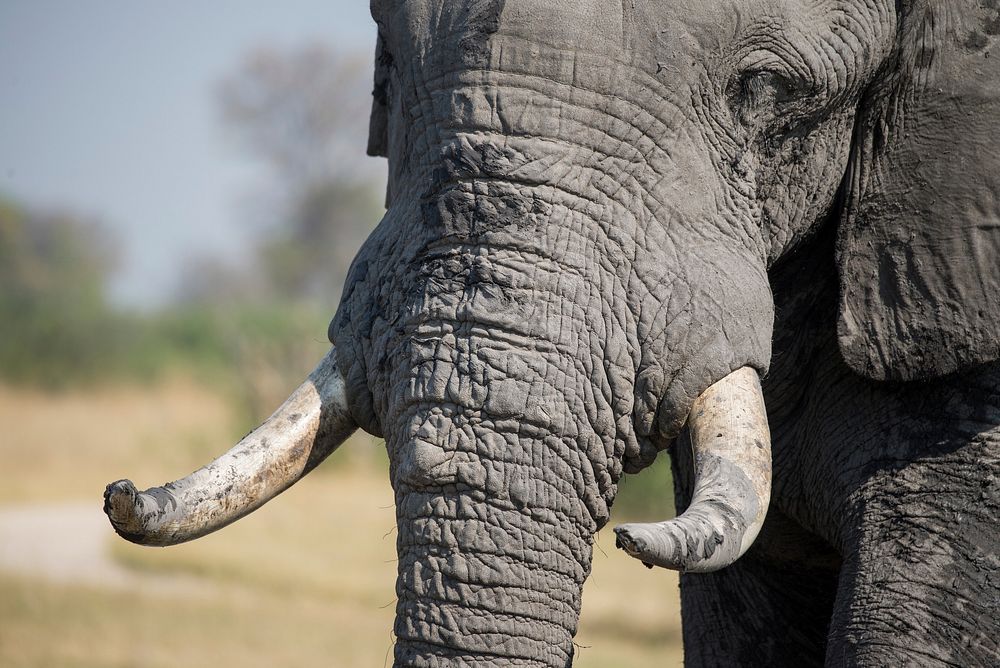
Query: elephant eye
(758, 97)
(757, 88)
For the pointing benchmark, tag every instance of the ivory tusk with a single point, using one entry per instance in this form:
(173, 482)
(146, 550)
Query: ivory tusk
(310, 425)
(731, 445)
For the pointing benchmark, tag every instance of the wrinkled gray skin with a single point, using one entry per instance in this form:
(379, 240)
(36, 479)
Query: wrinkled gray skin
(597, 210)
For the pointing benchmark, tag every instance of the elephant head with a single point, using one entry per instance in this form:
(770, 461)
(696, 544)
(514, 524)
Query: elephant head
(584, 202)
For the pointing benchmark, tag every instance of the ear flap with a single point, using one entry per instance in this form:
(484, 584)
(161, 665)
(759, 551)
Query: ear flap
(919, 243)
(378, 124)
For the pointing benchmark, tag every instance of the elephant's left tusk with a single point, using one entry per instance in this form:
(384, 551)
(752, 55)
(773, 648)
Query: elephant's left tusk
(310, 425)
(731, 445)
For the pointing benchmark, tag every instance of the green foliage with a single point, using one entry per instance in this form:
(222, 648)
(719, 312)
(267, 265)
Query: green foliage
(257, 353)
(57, 327)
(647, 495)
(59, 330)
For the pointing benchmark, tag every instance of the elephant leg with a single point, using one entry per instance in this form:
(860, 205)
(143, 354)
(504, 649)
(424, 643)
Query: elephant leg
(754, 614)
(760, 611)
(921, 584)
(770, 608)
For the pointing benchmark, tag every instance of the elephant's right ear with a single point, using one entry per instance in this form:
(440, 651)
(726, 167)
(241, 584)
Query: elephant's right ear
(378, 125)
(919, 243)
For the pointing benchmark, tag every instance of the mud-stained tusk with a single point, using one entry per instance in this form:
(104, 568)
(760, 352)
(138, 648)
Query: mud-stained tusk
(731, 445)
(310, 425)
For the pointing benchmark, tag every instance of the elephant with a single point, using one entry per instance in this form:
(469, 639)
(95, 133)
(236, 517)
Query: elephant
(760, 235)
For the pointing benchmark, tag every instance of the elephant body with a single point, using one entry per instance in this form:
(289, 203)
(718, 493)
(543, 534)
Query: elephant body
(596, 243)
(881, 544)
(618, 229)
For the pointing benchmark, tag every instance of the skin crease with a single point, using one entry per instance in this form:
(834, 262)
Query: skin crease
(593, 216)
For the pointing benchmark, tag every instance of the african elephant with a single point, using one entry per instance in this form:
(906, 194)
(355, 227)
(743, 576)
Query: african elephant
(606, 222)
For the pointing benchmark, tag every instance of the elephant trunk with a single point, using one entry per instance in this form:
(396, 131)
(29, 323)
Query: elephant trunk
(731, 446)
(310, 425)
(501, 481)
(494, 541)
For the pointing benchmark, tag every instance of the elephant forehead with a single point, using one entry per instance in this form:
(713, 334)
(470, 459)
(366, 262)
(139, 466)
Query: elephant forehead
(610, 28)
(650, 79)
(559, 23)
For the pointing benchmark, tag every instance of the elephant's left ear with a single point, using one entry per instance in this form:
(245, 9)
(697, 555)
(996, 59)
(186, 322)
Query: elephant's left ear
(378, 124)
(919, 243)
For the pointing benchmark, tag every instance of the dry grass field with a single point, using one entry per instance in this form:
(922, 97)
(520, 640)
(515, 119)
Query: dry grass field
(306, 581)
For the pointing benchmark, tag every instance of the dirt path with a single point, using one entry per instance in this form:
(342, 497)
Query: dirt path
(69, 543)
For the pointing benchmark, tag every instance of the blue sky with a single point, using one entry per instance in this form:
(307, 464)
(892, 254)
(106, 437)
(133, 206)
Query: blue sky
(106, 109)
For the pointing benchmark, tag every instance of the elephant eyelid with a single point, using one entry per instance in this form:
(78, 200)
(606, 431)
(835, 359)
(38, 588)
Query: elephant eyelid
(756, 87)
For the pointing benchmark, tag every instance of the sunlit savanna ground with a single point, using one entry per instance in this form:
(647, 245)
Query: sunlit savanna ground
(306, 581)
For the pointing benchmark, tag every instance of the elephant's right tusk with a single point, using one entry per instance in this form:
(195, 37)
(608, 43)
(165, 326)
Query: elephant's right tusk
(731, 445)
(310, 425)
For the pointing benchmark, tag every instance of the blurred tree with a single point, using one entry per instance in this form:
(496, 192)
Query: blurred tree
(304, 114)
(304, 111)
(309, 257)
(209, 281)
(56, 324)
